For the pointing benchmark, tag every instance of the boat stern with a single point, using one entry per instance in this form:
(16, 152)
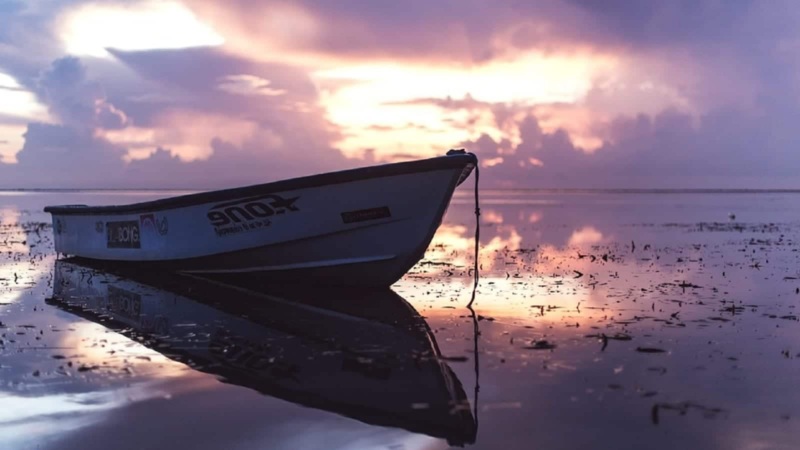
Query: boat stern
(63, 233)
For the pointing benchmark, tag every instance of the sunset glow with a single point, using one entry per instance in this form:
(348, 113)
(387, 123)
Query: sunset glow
(11, 142)
(91, 29)
(18, 102)
(248, 85)
(186, 135)
(421, 224)
(377, 104)
(555, 96)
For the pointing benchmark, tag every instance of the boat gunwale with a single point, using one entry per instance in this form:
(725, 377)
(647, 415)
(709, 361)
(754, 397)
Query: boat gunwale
(305, 182)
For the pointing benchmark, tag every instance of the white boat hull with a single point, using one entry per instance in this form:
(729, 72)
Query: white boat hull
(364, 227)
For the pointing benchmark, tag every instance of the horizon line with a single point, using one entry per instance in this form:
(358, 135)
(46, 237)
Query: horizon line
(527, 189)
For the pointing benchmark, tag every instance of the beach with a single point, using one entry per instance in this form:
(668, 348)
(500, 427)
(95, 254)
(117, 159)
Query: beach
(602, 319)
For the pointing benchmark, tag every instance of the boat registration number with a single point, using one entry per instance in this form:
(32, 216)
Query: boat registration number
(123, 234)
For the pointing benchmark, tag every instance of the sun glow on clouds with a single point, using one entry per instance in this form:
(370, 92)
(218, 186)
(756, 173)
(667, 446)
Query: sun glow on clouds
(19, 103)
(381, 106)
(11, 142)
(186, 134)
(269, 31)
(92, 28)
(248, 85)
(8, 82)
(16, 101)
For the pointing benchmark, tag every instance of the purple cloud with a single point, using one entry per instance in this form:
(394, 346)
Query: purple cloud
(726, 149)
(286, 140)
(74, 99)
(703, 93)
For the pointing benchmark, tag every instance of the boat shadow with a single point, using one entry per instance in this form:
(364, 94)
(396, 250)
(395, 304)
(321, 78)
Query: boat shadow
(363, 354)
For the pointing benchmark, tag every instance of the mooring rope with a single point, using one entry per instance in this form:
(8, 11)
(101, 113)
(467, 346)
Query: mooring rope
(477, 234)
(476, 332)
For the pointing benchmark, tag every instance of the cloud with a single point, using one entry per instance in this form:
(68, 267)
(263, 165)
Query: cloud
(248, 85)
(196, 136)
(191, 78)
(724, 149)
(453, 31)
(641, 24)
(301, 31)
(75, 100)
(92, 28)
(556, 93)
(63, 156)
(28, 39)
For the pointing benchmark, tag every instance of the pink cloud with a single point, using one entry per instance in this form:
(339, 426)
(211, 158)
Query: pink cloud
(240, 140)
(680, 94)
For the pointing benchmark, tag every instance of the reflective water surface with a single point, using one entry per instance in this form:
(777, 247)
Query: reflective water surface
(602, 320)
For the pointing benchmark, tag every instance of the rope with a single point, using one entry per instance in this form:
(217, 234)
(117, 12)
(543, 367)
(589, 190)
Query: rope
(477, 235)
(476, 332)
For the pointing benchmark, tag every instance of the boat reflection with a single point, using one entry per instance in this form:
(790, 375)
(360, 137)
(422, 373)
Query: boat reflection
(367, 355)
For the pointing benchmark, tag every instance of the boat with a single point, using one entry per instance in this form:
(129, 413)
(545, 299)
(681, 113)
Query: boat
(360, 353)
(359, 227)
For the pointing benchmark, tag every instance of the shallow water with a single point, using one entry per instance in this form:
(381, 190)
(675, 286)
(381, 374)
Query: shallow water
(606, 320)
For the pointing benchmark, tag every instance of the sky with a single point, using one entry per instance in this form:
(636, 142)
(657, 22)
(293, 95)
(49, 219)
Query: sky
(548, 93)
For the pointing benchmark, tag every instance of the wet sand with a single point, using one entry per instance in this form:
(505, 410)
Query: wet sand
(605, 321)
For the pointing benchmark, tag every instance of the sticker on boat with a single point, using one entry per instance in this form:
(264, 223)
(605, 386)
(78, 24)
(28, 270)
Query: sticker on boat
(123, 234)
(362, 215)
(249, 214)
(152, 222)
